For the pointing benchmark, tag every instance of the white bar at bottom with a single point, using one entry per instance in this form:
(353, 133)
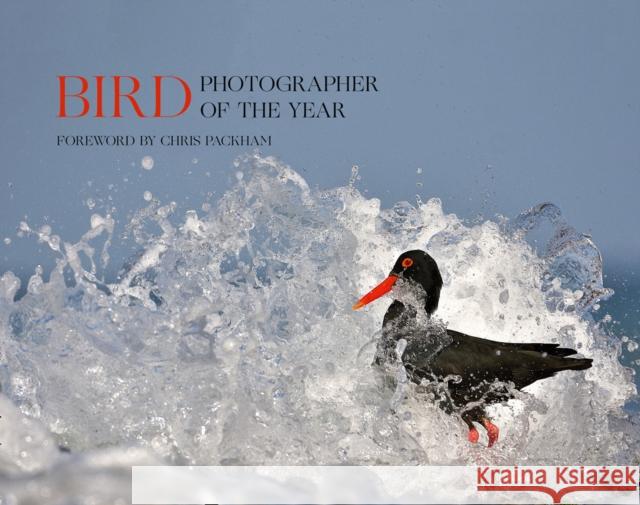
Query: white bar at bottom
(284, 485)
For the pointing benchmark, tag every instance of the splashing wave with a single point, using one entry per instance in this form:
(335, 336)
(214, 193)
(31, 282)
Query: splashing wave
(229, 338)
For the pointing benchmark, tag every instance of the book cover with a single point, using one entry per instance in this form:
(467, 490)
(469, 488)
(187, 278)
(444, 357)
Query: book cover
(363, 252)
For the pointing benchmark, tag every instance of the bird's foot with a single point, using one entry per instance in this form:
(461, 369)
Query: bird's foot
(493, 432)
(473, 435)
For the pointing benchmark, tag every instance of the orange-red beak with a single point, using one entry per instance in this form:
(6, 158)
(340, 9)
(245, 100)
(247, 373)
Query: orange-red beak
(381, 289)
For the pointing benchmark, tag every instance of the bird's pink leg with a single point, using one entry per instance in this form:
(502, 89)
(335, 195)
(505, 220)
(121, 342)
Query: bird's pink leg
(473, 435)
(493, 431)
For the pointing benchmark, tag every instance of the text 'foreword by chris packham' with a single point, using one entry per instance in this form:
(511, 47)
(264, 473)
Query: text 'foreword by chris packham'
(163, 140)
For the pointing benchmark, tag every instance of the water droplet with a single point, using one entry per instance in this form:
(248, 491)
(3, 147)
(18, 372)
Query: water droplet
(418, 171)
(54, 242)
(147, 195)
(7, 241)
(354, 175)
(195, 161)
(230, 344)
(632, 346)
(91, 203)
(147, 162)
(96, 221)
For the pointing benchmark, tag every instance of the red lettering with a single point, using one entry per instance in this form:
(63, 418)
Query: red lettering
(617, 476)
(117, 95)
(560, 475)
(99, 80)
(482, 475)
(103, 88)
(158, 88)
(62, 80)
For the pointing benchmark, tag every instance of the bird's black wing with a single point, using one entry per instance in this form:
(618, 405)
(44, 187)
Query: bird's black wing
(476, 360)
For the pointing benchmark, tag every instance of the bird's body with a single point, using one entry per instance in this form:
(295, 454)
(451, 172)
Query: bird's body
(476, 372)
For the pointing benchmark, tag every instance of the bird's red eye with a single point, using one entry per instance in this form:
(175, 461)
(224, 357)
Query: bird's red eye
(407, 262)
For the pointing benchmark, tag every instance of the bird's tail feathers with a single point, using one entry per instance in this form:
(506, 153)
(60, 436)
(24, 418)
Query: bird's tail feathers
(550, 349)
(575, 364)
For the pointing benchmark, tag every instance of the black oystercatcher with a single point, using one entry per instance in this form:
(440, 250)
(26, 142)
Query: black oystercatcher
(475, 372)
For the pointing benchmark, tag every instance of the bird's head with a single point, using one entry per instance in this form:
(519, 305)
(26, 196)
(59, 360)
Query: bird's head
(414, 277)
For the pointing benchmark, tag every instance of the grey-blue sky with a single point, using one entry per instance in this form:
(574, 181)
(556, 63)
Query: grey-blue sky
(545, 93)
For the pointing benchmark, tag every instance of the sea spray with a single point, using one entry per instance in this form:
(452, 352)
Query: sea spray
(229, 337)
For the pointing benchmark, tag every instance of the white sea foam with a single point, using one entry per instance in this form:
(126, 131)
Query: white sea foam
(230, 339)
